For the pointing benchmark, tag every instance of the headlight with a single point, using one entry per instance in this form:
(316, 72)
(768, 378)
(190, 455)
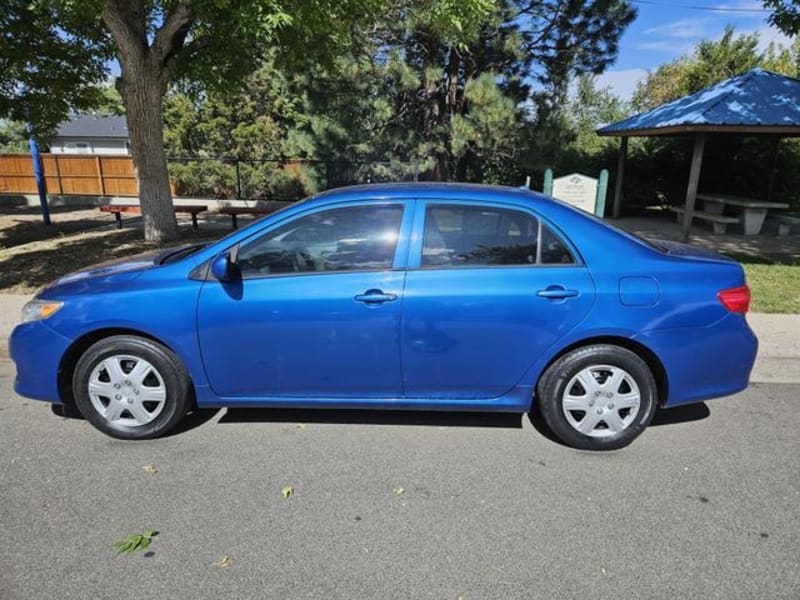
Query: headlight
(35, 310)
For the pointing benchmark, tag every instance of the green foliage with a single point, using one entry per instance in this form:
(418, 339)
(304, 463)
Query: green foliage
(49, 64)
(134, 542)
(587, 109)
(13, 137)
(456, 109)
(785, 15)
(710, 63)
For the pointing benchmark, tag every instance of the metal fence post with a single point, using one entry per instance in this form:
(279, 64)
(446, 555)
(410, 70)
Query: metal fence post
(38, 172)
(238, 181)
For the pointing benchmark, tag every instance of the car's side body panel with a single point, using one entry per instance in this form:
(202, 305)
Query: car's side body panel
(302, 336)
(472, 333)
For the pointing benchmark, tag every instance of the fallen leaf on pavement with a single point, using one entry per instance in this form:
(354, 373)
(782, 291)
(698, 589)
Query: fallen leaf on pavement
(287, 491)
(223, 563)
(150, 469)
(399, 490)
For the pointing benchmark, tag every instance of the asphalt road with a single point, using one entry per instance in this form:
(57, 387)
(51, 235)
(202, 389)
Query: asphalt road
(705, 505)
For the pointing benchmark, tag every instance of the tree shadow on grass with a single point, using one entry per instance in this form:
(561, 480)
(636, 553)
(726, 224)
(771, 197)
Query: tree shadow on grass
(28, 270)
(26, 231)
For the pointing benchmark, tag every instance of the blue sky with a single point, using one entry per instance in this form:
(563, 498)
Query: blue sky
(665, 30)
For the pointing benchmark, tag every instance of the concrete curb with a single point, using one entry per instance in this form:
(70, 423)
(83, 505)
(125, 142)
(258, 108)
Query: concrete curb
(778, 335)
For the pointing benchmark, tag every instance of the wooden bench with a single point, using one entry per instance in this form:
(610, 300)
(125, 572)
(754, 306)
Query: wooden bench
(785, 221)
(234, 211)
(118, 209)
(718, 222)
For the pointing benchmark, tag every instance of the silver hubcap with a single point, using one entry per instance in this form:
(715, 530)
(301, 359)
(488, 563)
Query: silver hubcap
(601, 401)
(127, 390)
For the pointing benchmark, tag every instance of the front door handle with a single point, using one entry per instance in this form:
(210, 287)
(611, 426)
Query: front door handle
(556, 292)
(374, 297)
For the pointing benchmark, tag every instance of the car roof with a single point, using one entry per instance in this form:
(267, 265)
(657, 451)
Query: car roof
(428, 189)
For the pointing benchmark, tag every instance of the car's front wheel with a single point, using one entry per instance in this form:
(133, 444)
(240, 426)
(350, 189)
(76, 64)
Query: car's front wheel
(131, 387)
(598, 397)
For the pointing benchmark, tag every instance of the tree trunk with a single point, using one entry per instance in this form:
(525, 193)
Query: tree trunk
(146, 70)
(143, 103)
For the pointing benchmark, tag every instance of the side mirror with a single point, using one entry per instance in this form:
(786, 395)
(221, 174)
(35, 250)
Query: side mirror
(224, 267)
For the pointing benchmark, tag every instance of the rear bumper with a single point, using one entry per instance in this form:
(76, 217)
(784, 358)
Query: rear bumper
(36, 351)
(705, 362)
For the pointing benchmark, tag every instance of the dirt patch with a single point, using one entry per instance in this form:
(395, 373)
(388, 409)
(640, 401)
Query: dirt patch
(33, 254)
(22, 225)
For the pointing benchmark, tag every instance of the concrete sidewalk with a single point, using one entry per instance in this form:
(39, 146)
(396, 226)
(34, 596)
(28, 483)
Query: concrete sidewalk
(778, 335)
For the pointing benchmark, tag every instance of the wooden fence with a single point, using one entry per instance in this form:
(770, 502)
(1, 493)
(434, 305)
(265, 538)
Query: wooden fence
(70, 174)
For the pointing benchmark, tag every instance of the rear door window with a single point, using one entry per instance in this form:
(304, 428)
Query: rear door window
(469, 235)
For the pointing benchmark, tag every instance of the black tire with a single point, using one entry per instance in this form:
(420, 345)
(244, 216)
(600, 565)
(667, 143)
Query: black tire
(172, 377)
(550, 397)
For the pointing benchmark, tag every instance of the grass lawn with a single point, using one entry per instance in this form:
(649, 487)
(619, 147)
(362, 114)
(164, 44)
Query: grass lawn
(775, 288)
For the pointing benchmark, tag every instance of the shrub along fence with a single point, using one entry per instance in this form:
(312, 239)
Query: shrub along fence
(219, 178)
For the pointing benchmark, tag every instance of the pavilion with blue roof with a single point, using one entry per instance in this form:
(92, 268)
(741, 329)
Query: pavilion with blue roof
(755, 103)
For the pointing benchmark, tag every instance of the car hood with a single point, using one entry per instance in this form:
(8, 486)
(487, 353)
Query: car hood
(138, 262)
(134, 265)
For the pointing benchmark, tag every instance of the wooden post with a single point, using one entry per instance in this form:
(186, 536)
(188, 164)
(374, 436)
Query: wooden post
(694, 179)
(776, 148)
(100, 176)
(623, 154)
(58, 174)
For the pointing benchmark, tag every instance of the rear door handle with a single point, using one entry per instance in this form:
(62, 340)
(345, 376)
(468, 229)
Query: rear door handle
(556, 292)
(374, 297)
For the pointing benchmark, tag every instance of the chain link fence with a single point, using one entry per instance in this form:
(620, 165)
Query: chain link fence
(287, 180)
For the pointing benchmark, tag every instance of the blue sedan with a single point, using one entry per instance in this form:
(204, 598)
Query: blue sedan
(399, 296)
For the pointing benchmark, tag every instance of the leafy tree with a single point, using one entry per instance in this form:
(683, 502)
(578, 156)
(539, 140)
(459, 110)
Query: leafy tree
(13, 137)
(710, 63)
(254, 124)
(457, 105)
(50, 64)
(588, 109)
(211, 44)
(785, 15)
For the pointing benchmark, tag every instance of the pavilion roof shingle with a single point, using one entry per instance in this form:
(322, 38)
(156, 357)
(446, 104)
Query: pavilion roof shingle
(754, 100)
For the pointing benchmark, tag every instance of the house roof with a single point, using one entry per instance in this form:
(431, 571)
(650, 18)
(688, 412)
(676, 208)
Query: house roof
(756, 102)
(94, 126)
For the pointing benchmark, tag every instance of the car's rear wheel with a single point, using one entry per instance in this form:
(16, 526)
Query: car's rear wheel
(131, 388)
(598, 397)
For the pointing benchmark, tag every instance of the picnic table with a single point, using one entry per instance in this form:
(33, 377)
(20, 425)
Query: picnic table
(118, 209)
(234, 211)
(753, 212)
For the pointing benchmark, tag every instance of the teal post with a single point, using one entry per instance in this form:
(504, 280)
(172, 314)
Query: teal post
(547, 189)
(602, 188)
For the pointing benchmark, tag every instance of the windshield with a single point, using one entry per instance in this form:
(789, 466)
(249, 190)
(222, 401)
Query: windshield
(179, 253)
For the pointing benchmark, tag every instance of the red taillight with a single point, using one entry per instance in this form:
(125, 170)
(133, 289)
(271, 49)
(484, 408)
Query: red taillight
(735, 299)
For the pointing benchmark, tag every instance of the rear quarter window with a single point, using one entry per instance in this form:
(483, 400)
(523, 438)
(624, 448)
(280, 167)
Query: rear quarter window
(464, 236)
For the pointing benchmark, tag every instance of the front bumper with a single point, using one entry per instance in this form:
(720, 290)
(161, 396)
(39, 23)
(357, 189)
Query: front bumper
(37, 351)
